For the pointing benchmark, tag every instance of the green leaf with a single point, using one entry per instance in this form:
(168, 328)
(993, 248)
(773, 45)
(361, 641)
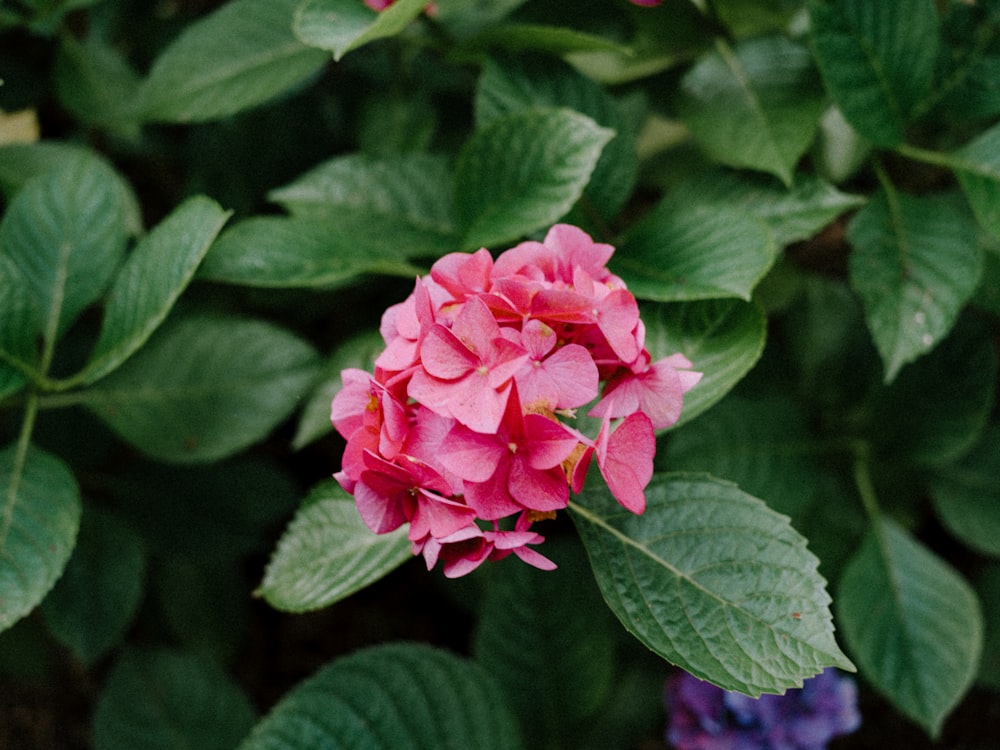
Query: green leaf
(278, 251)
(968, 63)
(204, 388)
(18, 321)
(359, 351)
(762, 445)
(967, 495)
(713, 581)
(65, 231)
(915, 262)
(792, 214)
(327, 553)
(911, 622)
(99, 593)
(555, 40)
(96, 84)
(516, 84)
(342, 25)
(935, 411)
(680, 253)
(988, 589)
(546, 637)
(153, 277)
(407, 195)
(722, 338)
(405, 696)
(523, 172)
(242, 55)
(39, 519)
(163, 700)
(977, 168)
(756, 105)
(877, 60)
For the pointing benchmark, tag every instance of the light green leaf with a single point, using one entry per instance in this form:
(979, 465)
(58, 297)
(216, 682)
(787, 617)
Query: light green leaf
(547, 638)
(39, 518)
(96, 84)
(516, 84)
(713, 581)
(163, 700)
(204, 388)
(722, 338)
(915, 262)
(99, 593)
(911, 622)
(242, 55)
(977, 167)
(405, 696)
(153, 277)
(523, 172)
(877, 60)
(792, 214)
(756, 105)
(327, 553)
(762, 445)
(65, 231)
(342, 25)
(967, 495)
(277, 251)
(359, 351)
(676, 253)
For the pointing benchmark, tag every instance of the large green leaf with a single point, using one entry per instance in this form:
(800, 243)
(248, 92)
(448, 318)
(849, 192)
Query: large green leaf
(280, 251)
(523, 172)
(911, 622)
(342, 25)
(915, 262)
(756, 105)
(359, 351)
(877, 60)
(96, 83)
(988, 589)
(65, 231)
(762, 445)
(977, 167)
(967, 495)
(39, 518)
(241, 55)
(512, 85)
(205, 387)
(99, 593)
(327, 553)
(547, 638)
(398, 696)
(968, 63)
(722, 338)
(713, 581)
(152, 279)
(680, 253)
(18, 321)
(164, 700)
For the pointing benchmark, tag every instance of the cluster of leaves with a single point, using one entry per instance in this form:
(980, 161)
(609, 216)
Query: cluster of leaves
(804, 195)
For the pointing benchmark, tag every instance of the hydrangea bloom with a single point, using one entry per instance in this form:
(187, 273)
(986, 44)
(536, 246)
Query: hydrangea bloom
(464, 431)
(705, 717)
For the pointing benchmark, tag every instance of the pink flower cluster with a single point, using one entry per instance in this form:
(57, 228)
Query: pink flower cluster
(464, 422)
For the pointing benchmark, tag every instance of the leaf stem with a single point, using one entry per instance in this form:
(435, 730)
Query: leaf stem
(17, 469)
(927, 156)
(863, 480)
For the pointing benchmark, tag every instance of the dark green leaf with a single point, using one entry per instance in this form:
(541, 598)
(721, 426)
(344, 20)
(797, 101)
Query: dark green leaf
(242, 55)
(713, 581)
(277, 251)
(756, 105)
(915, 262)
(911, 622)
(523, 172)
(96, 83)
(164, 700)
(342, 25)
(877, 60)
(968, 63)
(152, 279)
(39, 519)
(327, 553)
(205, 387)
(556, 40)
(98, 594)
(988, 589)
(18, 322)
(399, 696)
(692, 253)
(722, 338)
(977, 167)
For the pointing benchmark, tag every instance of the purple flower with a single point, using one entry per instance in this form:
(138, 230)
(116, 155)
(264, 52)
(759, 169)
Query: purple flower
(705, 717)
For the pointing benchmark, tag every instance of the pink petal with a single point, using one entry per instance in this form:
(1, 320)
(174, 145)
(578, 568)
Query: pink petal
(549, 443)
(471, 455)
(618, 316)
(445, 356)
(573, 370)
(535, 489)
(491, 499)
(627, 461)
(349, 405)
